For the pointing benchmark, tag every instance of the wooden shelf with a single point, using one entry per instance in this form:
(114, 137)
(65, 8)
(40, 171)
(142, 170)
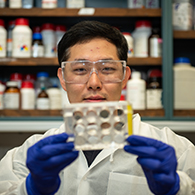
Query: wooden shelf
(184, 113)
(190, 34)
(65, 12)
(38, 113)
(144, 61)
(54, 61)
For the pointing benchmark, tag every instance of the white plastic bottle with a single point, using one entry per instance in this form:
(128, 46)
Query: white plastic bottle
(15, 3)
(182, 14)
(22, 39)
(55, 98)
(60, 30)
(48, 34)
(135, 3)
(184, 84)
(75, 3)
(27, 96)
(49, 3)
(140, 35)
(136, 91)
(129, 39)
(3, 39)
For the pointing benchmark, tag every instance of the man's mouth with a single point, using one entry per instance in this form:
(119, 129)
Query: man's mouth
(96, 98)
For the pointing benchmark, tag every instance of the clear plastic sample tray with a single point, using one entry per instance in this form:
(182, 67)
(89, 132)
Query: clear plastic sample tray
(94, 126)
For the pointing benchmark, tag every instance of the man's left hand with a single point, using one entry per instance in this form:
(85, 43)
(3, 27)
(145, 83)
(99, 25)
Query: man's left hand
(158, 161)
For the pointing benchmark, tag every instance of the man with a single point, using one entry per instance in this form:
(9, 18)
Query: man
(154, 162)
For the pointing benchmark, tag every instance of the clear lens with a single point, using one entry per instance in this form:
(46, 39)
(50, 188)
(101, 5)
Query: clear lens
(108, 71)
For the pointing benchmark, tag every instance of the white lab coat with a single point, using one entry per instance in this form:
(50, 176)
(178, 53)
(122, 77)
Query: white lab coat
(113, 172)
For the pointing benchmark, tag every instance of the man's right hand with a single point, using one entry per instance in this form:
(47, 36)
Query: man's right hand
(45, 160)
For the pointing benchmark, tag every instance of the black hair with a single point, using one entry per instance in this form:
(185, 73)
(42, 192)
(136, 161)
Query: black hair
(85, 31)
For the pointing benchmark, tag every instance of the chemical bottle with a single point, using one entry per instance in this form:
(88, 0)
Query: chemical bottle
(43, 99)
(12, 95)
(152, 4)
(2, 3)
(27, 96)
(27, 3)
(49, 4)
(2, 89)
(75, 3)
(59, 32)
(9, 37)
(155, 43)
(37, 45)
(16, 77)
(182, 14)
(135, 3)
(22, 39)
(154, 90)
(140, 35)
(42, 80)
(129, 39)
(55, 98)
(29, 77)
(15, 3)
(3, 38)
(184, 84)
(48, 34)
(136, 89)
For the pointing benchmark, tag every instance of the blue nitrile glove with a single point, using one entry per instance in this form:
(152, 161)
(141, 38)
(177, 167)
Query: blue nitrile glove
(45, 160)
(158, 161)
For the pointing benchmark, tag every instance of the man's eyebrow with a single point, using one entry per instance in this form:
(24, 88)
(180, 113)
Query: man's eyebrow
(81, 59)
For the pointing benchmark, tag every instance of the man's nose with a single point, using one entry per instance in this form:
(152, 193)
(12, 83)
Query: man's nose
(94, 81)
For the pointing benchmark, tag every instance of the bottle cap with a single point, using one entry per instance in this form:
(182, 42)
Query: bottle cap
(136, 75)
(2, 23)
(12, 84)
(27, 84)
(143, 23)
(29, 77)
(37, 36)
(126, 33)
(36, 29)
(48, 26)
(22, 21)
(12, 22)
(42, 74)
(60, 28)
(182, 60)
(155, 73)
(15, 76)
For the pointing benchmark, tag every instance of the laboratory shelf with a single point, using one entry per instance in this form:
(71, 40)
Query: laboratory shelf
(54, 61)
(190, 34)
(66, 12)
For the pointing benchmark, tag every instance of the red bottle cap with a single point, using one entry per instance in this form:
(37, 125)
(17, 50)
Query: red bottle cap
(143, 23)
(48, 26)
(27, 84)
(29, 77)
(2, 23)
(155, 73)
(15, 76)
(22, 21)
(60, 28)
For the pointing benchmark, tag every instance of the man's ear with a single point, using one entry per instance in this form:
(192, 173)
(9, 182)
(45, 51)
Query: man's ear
(62, 82)
(127, 76)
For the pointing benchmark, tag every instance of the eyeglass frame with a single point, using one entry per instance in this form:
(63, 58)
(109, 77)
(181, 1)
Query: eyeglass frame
(123, 63)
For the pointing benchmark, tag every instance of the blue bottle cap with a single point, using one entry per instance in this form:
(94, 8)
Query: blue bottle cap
(42, 74)
(182, 60)
(37, 36)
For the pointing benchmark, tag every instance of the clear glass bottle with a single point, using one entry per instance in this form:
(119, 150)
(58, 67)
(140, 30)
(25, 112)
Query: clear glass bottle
(37, 46)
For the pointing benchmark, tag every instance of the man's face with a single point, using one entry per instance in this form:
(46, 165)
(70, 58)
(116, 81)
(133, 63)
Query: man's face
(94, 90)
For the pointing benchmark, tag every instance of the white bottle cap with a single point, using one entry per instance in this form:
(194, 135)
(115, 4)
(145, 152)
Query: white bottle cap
(136, 75)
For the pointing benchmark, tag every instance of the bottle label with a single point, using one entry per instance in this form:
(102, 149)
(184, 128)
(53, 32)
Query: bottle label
(15, 3)
(155, 47)
(55, 102)
(75, 3)
(154, 98)
(37, 51)
(182, 16)
(49, 3)
(2, 44)
(11, 100)
(43, 103)
(21, 44)
(141, 47)
(28, 99)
